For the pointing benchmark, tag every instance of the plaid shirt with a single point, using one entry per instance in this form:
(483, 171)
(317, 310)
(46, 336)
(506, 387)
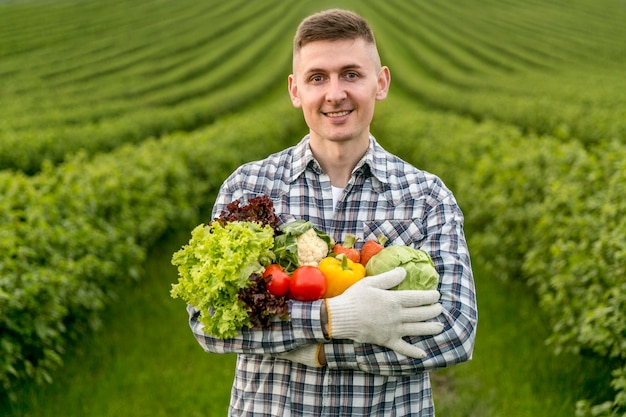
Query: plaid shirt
(387, 196)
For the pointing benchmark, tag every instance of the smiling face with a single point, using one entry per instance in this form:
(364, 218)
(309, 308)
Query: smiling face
(336, 84)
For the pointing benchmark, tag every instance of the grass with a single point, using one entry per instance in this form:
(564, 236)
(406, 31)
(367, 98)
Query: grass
(144, 362)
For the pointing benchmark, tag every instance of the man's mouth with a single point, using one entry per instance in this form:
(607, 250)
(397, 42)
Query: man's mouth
(338, 113)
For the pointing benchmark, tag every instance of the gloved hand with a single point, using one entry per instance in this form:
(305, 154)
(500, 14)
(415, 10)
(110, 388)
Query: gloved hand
(306, 355)
(368, 313)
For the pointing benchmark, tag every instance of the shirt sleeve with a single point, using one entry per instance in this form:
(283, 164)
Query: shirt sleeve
(304, 327)
(445, 241)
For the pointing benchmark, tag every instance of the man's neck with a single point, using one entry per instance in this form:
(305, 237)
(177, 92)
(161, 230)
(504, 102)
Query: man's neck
(338, 159)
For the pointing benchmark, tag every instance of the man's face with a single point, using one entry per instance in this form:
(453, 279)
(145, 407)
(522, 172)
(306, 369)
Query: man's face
(336, 83)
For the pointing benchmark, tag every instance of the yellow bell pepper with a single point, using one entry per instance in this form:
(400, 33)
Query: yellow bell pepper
(340, 273)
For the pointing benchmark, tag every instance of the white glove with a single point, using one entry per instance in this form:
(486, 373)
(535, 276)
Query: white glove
(368, 313)
(306, 355)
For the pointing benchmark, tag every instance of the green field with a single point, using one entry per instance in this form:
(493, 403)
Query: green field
(120, 120)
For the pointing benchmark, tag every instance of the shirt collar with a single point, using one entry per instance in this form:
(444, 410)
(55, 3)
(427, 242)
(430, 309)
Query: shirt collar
(302, 156)
(373, 162)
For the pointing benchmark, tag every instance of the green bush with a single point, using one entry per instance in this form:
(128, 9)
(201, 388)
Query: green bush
(578, 262)
(544, 211)
(76, 234)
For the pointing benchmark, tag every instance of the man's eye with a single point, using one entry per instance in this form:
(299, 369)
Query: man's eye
(317, 78)
(352, 75)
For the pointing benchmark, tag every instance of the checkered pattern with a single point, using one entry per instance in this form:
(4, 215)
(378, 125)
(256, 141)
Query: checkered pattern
(385, 196)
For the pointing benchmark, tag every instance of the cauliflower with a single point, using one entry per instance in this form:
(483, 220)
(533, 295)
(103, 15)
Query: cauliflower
(299, 243)
(311, 248)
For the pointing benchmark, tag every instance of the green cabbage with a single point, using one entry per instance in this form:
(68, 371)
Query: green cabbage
(420, 269)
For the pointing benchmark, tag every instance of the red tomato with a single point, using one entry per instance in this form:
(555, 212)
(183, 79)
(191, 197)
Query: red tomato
(279, 280)
(307, 283)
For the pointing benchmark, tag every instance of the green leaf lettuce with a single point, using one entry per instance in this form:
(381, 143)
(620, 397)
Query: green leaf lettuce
(215, 265)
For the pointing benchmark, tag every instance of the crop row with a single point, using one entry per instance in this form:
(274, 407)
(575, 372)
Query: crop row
(77, 233)
(217, 74)
(570, 31)
(128, 72)
(567, 93)
(57, 36)
(541, 210)
(152, 54)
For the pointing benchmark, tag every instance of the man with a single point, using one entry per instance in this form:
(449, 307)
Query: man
(368, 351)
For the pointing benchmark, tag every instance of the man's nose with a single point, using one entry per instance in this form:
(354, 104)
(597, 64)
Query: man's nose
(335, 91)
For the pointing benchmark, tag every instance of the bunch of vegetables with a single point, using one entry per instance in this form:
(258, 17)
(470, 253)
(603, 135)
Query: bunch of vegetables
(376, 259)
(221, 269)
(241, 269)
(305, 270)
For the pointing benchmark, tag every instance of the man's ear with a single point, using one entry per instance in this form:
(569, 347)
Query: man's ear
(293, 91)
(384, 80)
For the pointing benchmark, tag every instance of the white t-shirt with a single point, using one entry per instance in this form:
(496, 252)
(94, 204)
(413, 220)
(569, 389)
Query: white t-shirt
(336, 194)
